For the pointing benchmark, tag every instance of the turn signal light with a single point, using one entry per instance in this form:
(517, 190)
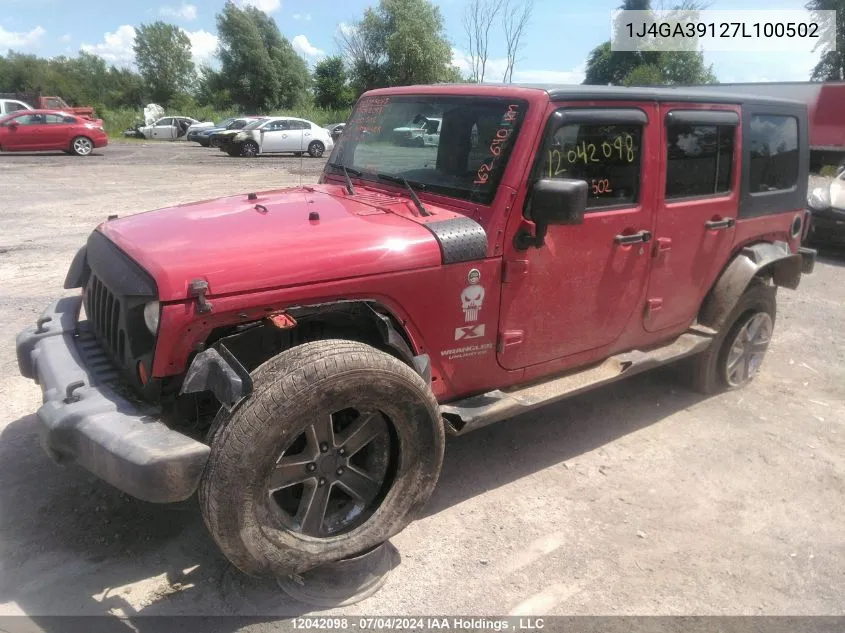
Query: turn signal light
(143, 375)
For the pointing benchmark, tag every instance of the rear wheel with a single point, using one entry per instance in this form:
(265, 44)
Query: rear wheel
(214, 142)
(249, 149)
(337, 449)
(82, 146)
(316, 149)
(735, 356)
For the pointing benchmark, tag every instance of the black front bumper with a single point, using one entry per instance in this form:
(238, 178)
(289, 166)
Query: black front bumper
(84, 420)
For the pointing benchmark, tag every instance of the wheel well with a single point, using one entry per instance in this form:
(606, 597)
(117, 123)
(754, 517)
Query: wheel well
(363, 321)
(256, 342)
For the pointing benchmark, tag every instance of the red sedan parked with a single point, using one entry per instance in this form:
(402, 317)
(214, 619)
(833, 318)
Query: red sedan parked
(38, 130)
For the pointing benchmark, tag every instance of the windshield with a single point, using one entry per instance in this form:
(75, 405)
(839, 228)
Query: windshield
(254, 124)
(455, 146)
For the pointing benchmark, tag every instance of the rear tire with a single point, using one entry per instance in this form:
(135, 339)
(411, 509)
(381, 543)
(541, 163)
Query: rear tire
(719, 368)
(316, 149)
(324, 415)
(82, 146)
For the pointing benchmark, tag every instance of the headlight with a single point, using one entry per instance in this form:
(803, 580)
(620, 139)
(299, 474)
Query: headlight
(152, 311)
(819, 199)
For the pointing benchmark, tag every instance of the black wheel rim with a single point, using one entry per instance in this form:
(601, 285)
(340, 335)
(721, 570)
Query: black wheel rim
(250, 149)
(334, 475)
(316, 150)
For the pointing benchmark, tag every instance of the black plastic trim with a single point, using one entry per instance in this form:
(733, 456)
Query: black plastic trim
(702, 117)
(460, 239)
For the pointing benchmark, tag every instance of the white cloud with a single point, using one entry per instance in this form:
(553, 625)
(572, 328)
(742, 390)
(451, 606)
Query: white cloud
(66, 38)
(302, 16)
(203, 45)
(494, 71)
(116, 48)
(184, 11)
(20, 39)
(302, 46)
(268, 6)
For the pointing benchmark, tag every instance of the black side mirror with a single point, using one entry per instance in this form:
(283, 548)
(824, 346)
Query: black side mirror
(553, 201)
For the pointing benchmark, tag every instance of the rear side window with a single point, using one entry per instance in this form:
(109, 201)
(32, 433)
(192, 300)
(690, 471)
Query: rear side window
(606, 156)
(699, 159)
(773, 144)
(14, 106)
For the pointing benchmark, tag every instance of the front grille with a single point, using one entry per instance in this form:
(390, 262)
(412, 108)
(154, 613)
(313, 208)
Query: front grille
(104, 314)
(116, 291)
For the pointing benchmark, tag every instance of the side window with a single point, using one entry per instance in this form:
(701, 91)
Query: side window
(607, 157)
(165, 122)
(773, 142)
(699, 159)
(69, 119)
(275, 126)
(30, 119)
(54, 119)
(237, 125)
(14, 106)
(299, 125)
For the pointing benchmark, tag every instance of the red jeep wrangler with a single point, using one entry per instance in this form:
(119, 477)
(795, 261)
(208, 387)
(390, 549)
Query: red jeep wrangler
(298, 355)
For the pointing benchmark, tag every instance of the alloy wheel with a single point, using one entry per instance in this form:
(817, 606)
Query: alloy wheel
(333, 476)
(747, 349)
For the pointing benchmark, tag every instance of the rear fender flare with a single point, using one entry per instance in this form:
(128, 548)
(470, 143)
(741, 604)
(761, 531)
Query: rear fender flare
(765, 259)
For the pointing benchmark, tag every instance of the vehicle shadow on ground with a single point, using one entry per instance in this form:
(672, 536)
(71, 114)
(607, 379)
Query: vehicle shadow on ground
(71, 544)
(831, 255)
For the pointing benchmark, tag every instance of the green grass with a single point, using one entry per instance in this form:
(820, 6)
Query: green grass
(116, 121)
(829, 171)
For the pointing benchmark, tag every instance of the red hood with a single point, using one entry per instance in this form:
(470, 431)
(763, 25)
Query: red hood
(237, 248)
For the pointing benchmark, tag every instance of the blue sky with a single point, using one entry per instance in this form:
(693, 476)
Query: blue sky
(560, 35)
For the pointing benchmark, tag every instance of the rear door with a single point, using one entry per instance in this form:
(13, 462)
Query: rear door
(296, 139)
(57, 131)
(696, 217)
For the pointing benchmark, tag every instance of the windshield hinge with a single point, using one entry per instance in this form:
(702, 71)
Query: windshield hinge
(199, 288)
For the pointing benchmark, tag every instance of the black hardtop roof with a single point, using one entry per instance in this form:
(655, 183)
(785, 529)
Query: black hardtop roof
(669, 93)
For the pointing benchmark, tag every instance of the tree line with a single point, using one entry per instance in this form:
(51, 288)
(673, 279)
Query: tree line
(399, 42)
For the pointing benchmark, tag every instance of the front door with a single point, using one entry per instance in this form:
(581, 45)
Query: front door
(581, 289)
(163, 129)
(274, 136)
(27, 134)
(696, 212)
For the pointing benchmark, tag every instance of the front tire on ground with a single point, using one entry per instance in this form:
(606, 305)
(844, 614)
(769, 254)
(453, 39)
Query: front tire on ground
(82, 146)
(338, 448)
(249, 149)
(735, 355)
(316, 149)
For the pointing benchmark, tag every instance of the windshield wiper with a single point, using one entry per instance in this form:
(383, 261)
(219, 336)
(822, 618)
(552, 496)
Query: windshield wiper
(346, 172)
(399, 179)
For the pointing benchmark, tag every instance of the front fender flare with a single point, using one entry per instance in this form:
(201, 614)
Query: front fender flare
(765, 258)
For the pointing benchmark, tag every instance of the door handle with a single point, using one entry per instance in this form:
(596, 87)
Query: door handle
(634, 238)
(284, 135)
(719, 225)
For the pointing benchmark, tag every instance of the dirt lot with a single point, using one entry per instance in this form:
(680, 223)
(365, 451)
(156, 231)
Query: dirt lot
(639, 498)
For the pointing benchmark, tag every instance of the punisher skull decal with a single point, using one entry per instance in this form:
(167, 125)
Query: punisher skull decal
(472, 297)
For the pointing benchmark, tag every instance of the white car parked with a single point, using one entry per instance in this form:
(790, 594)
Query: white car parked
(168, 128)
(420, 132)
(280, 135)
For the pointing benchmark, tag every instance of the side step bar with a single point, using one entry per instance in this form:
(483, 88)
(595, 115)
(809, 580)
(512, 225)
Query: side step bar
(469, 414)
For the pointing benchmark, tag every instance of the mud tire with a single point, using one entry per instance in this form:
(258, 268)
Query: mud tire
(292, 388)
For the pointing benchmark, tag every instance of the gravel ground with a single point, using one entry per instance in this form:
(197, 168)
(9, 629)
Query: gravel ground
(638, 498)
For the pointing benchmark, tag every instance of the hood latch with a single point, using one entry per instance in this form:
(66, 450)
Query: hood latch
(199, 288)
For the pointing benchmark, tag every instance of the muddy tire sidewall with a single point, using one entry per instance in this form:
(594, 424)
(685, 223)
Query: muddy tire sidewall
(316, 379)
